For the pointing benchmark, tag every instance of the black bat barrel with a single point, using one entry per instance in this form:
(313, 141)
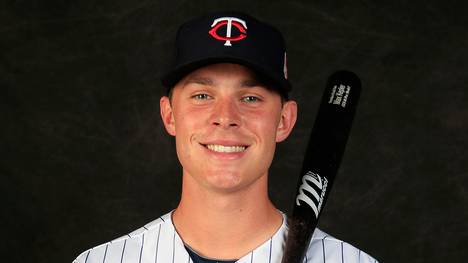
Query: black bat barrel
(322, 159)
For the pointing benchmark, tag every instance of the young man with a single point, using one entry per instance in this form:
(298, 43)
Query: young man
(227, 108)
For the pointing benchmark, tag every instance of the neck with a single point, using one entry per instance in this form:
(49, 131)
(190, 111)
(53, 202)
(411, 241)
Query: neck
(225, 225)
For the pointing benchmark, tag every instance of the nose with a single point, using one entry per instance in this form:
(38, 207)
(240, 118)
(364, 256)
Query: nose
(226, 114)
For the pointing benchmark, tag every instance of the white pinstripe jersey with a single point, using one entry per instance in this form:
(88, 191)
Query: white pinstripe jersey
(158, 242)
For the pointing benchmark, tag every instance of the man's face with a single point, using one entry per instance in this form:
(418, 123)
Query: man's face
(226, 125)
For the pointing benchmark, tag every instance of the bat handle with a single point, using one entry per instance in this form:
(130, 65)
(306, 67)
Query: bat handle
(297, 242)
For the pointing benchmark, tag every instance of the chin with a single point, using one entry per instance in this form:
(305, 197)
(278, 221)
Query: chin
(230, 182)
(225, 180)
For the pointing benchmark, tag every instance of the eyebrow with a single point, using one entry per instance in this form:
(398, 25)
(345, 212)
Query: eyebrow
(246, 83)
(200, 80)
(251, 83)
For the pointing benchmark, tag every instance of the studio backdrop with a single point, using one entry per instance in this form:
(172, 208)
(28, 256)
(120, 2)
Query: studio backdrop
(85, 157)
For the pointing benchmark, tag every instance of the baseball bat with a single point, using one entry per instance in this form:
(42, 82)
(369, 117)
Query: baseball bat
(322, 159)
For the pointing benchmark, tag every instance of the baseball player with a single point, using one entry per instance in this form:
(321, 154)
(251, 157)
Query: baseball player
(227, 107)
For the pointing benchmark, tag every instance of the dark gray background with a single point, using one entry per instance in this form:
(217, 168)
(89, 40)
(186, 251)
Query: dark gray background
(85, 159)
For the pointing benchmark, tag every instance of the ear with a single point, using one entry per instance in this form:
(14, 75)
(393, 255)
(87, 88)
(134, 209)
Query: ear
(287, 121)
(167, 115)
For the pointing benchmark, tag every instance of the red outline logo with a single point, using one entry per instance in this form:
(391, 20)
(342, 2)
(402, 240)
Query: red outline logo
(228, 22)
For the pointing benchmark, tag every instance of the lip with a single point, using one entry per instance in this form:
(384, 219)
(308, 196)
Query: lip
(224, 143)
(224, 155)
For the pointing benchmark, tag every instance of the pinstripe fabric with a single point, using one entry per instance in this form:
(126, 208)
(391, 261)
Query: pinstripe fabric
(141, 249)
(271, 243)
(123, 251)
(158, 242)
(105, 253)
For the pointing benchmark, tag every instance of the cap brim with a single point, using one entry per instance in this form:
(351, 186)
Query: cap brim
(171, 78)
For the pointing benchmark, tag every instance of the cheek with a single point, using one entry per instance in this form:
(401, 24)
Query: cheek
(182, 126)
(188, 126)
(186, 121)
(265, 126)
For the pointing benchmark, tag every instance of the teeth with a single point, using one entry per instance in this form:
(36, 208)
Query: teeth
(225, 149)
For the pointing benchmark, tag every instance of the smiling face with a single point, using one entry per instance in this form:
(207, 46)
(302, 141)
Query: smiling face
(226, 125)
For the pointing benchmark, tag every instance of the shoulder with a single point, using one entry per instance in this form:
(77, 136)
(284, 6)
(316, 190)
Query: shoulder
(130, 245)
(332, 250)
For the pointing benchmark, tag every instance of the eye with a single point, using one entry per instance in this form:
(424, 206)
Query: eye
(251, 99)
(201, 96)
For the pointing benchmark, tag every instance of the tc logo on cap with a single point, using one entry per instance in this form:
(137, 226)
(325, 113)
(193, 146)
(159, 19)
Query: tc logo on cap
(229, 22)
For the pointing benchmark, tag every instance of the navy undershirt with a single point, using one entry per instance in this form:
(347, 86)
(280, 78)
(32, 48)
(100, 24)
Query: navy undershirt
(199, 259)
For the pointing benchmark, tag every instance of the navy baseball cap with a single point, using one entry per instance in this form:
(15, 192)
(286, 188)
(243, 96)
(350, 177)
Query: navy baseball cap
(230, 37)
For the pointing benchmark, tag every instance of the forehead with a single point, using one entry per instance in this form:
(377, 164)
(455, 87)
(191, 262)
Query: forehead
(216, 74)
(227, 73)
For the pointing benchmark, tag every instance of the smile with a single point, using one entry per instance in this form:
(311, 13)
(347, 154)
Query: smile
(225, 149)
